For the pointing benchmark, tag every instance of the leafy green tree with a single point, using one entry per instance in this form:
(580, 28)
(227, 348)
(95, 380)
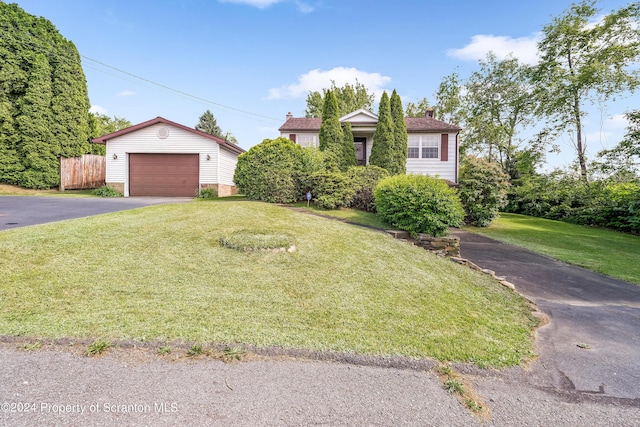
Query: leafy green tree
(498, 102)
(35, 146)
(417, 109)
(331, 136)
(348, 148)
(449, 100)
(350, 97)
(585, 62)
(623, 160)
(101, 124)
(400, 136)
(382, 150)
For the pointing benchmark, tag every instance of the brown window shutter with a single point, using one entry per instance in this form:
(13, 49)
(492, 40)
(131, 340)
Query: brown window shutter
(292, 136)
(444, 147)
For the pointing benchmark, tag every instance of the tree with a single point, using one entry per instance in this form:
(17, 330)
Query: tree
(623, 160)
(35, 145)
(330, 136)
(382, 150)
(448, 100)
(349, 97)
(44, 105)
(498, 101)
(101, 124)
(586, 62)
(348, 148)
(418, 109)
(400, 136)
(209, 124)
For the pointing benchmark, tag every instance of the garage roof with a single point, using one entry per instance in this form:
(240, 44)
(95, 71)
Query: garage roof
(230, 146)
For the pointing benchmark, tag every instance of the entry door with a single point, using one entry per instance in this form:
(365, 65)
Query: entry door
(361, 150)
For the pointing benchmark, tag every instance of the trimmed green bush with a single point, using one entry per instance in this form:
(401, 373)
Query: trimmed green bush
(266, 172)
(363, 181)
(418, 204)
(483, 190)
(207, 193)
(331, 190)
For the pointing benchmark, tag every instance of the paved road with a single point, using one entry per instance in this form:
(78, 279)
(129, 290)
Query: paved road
(585, 309)
(21, 211)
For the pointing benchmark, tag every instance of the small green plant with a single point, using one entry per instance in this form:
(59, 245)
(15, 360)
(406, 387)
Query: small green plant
(454, 386)
(97, 347)
(195, 350)
(583, 345)
(164, 350)
(207, 193)
(473, 405)
(255, 241)
(445, 370)
(32, 346)
(230, 354)
(106, 191)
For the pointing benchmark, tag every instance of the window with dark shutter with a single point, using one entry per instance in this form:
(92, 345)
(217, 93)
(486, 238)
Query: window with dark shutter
(292, 136)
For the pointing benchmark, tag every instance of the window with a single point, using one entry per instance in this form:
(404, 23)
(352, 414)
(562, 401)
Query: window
(430, 145)
(423, 147)
(307, 140)
(414, 147)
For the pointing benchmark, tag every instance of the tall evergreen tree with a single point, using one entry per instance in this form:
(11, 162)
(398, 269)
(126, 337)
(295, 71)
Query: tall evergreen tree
(349, 148)
(383, 139)
(400, 136)
(44, 106)
(331, 136)
(70, 104)
(35, 145)
(209, 124)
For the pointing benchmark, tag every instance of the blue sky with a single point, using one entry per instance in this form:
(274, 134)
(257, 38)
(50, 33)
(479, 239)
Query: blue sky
(252, 61)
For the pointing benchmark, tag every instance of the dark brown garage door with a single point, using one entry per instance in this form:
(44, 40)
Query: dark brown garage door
(172, 175)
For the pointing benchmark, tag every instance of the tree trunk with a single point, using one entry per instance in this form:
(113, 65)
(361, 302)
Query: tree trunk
(580, 147)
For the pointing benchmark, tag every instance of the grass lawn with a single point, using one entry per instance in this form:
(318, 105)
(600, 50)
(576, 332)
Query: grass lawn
(13, 190)
(609, 252)
(351, 215)
(160, 273)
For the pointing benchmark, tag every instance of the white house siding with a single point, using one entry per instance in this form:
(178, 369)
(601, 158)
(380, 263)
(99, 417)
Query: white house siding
(146, 140)
(433, 167)
(227, 167)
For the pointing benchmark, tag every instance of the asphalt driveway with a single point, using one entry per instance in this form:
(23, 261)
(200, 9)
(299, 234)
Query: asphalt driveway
(591, 345)
(21, 211)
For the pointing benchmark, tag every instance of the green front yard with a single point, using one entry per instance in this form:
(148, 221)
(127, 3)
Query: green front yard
(160, 273)
(609, 252)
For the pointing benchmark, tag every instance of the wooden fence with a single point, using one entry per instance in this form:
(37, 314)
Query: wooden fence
(88, 171)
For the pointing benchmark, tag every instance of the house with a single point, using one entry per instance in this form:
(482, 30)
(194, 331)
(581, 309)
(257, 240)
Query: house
(163, 158)
(433, 144)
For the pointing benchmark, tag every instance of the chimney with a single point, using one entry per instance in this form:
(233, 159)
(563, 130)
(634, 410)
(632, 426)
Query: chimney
(289, 115)
(429, 112)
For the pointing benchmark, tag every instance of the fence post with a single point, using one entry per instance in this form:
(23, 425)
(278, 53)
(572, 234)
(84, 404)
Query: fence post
(62, 174)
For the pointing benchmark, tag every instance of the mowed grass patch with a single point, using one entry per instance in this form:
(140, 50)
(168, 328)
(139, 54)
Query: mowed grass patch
(608, 252)
(160, 273)
(351, 215)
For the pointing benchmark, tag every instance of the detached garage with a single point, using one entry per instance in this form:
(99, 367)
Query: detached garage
(163, 158)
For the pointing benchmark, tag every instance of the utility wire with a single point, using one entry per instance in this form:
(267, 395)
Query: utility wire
(37, 45)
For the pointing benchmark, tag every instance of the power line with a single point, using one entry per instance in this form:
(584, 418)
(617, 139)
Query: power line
(36, 44)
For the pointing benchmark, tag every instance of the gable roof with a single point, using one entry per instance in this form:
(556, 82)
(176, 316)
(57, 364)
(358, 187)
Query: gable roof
(414, 124)
(362, 115)
(226, 144)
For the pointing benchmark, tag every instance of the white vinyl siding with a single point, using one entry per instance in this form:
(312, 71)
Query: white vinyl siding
(434, 166)
(217, 164)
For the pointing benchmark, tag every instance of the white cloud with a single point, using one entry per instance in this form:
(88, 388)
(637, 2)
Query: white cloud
(98, 109)
(523, 48)
(316, 80)
(261, 4)
(126, 93)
